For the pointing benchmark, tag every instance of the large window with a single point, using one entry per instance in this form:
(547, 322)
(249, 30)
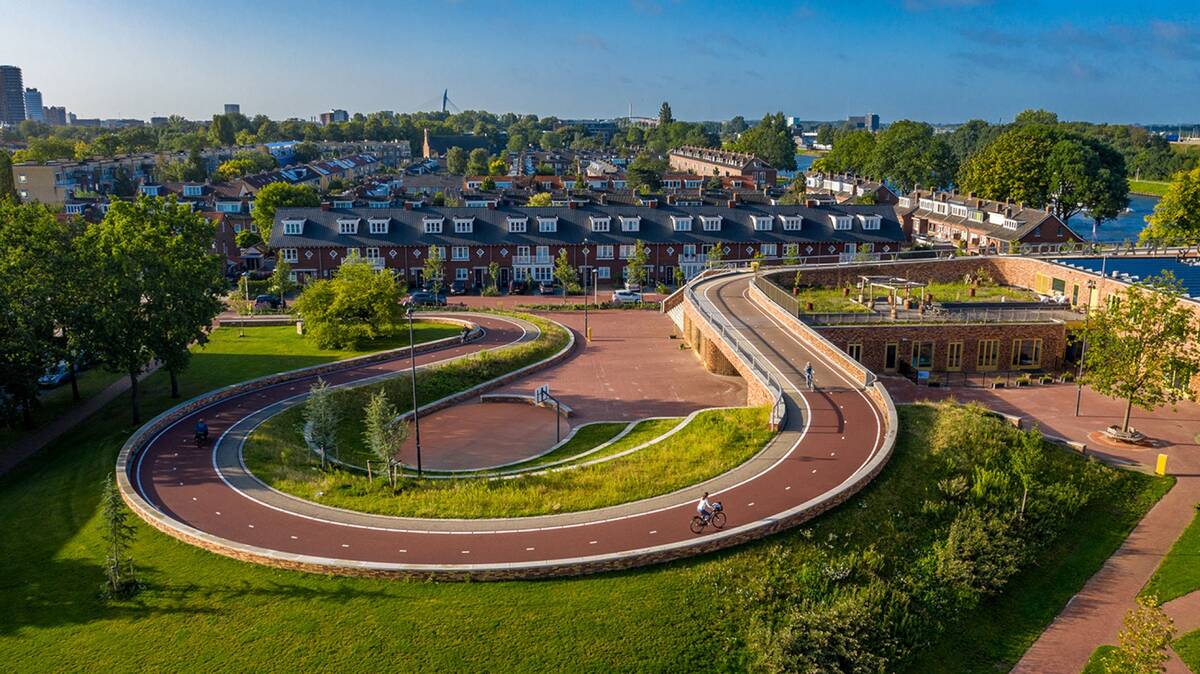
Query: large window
(989, 354)
(922, 355)
(433, 225)
(627, 251)
(517, 225)
(460, 253)
(604, 252)
(1027, 353)
(289, 254)
(954, 356)
(854, 351)
(464, 225)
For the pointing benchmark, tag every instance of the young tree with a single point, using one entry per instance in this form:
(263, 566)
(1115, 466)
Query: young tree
(119, 577)
(434, 270)
(635, 269)
(715, 254)
(383, 432)
(540, 199)
(280, 195)
(1143, 640)
(357, 305)
(1027, 458)
(281, 279)
(321, 418)
(184, 294)
(1139, 343)
(456, 160)
(487, 184)
(567, 275)
(497, 167)
(1176, 217)
(493, 286)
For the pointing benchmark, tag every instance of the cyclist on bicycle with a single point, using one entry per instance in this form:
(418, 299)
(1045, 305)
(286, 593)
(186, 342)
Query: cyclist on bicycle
(705, 507)
(201, 431)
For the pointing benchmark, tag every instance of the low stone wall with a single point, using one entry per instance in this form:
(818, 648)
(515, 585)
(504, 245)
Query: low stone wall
(564, 410)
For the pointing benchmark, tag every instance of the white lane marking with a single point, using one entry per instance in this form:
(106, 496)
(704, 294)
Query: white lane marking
(528, 549)
(750, 504)
(295, 538)
(591, 542)
(787, 488)
(250, 525)
(403, 550)
(345, 545)
(218, 512)
(654, 531)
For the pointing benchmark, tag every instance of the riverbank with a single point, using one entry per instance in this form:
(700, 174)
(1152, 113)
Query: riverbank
(1149, 188)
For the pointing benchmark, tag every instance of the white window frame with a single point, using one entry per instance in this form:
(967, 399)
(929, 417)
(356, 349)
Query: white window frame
(792, 223)
(627, 250)
(432, 225)
(547, 224)
(290, 254)
(460, 274)
(603, 273)
(604, 251)
(378, 225)
(347, 226)
(841, 222)
(712, 223)
(681, 223)
(293, 227)
(459, 253)
(373, 253)
(517, 225)
(762, 223)
(600, 224)
(769, 249)
(464, 225)
(193, 190)
(631, 223)
(869, 221)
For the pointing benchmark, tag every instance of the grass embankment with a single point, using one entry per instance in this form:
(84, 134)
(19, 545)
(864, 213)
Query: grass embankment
(1187, 647)
(933, 552)
(834, 300)
(1153, 188)
(714, 442)
(1095, 664)
(56, 402)
(1179, 572)
(202, 611)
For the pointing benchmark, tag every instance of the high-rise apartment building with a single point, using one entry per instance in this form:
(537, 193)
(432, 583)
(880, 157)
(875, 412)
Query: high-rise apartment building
(12, 96)
(233, 108)
(33, 105)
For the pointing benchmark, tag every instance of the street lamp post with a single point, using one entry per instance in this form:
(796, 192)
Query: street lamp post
(1087, 319)
(586, 333)
(596, 286)
(246, 285)
(412, 361)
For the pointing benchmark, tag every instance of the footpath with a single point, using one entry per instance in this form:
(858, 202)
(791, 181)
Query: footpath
(1094, 615)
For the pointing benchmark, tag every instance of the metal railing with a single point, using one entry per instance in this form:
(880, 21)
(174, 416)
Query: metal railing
(744, 351)
(938, 315)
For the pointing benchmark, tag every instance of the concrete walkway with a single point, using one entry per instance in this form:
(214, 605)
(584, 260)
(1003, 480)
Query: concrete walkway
(1093, 617)
(33, 442)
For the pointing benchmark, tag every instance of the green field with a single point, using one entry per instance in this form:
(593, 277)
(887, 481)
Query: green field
(1188, 649)
(712, 443)
(1154, 188)
(1179, 572)
(204, 612)
(834, 300)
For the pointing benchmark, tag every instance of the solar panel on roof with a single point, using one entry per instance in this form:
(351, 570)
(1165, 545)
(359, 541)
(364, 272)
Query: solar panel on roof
(1140, 269)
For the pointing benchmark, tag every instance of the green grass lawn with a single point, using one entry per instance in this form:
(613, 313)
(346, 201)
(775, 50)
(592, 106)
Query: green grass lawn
(204, 612)
(1155, 188)
(1095, 664)
(1179, 572)
(1188, 649)
(714, 442)
(833, 300)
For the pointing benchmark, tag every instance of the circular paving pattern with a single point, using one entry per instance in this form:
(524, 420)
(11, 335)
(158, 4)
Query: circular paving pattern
(832, 443)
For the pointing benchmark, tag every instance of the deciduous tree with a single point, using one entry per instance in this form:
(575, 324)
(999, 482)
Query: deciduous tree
(771, 141)
(280, 195)
(908, 154)
(852, 153)
(1143, 640)
(540, 199)
(383, 432)
(321, 418)
(1176, 217)
(281, 279)
(646, 170)
(1143, 346)
(355, 306)
(456, 160)
(477, 162)
(567, 275)
(635, 268)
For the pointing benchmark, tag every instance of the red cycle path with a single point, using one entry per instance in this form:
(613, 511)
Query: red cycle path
(837, 434)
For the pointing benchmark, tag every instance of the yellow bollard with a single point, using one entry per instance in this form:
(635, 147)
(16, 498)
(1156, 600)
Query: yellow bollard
(589, 335)
(1161, 468)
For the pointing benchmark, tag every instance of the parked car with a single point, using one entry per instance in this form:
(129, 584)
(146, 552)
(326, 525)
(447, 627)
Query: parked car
(56, 375)
(626, 297)
(424, 298)
(268, 300)
(547, 288)
(516, 288)
(458, 287)
(633, 287)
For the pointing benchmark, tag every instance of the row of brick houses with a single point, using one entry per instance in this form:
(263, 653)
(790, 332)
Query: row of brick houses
(525, 241)
(707, 161)
(982, 225)
(844, 188)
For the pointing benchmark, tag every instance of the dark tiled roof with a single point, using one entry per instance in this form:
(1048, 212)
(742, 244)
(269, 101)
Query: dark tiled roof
(491, 227)
(1027, 217)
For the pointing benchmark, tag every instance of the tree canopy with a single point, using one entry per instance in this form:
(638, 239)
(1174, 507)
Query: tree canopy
(355, 306)
(908, 154)
(280, 195)
(1176, 217)
(771, 141)
(646, 170)
(853, 152)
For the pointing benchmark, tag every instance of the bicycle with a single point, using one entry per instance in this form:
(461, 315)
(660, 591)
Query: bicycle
(716, 518)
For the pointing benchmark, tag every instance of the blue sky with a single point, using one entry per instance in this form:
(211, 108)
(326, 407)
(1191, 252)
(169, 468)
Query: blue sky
(935, 60)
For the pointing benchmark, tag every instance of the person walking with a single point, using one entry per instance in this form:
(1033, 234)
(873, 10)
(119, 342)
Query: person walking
(808, 376)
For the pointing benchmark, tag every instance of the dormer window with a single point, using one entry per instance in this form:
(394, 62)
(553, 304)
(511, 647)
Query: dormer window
(792, 223)
(432, 225)
(958, 211)
(343, 204)
(464, 225)
(347, 225)
(74, 209)
(869, 221)
(193, 190)
(599, 223)
(1009, 223)
(905, 202)
(712, 223)
(293, 227)
(517, 225)
(631, 223)
(150, 190)
(681, 223)
(379, 225)
(841, 221)
(547, 224)
(762, 223)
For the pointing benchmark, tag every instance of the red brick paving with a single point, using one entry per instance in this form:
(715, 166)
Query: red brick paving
(1094, 615)
(482, 435)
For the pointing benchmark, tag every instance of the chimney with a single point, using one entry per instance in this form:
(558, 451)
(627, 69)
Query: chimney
(1008, 211)
(602, 199)
(732, 203)
(491, 205)
(651, 203)
(810, 203)
(572, 205)
(325, 205)
(408, 206)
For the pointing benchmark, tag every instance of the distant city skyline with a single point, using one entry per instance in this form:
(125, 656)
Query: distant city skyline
(940, 61)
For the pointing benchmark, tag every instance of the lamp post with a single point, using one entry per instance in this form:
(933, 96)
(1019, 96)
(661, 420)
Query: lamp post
(412, 361)
(1087, 319)
(586, 333)
(246, 286)
(596, 286)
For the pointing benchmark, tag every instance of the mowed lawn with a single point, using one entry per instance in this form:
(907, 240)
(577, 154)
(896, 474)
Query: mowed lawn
(204, 612)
